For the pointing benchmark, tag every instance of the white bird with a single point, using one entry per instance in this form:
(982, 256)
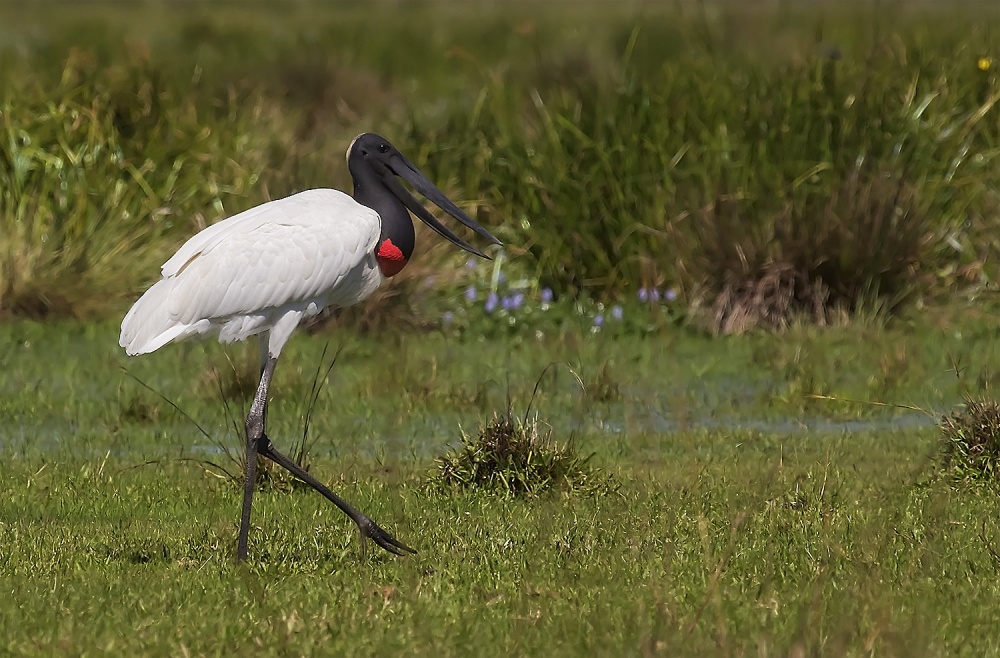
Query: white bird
(263, 271)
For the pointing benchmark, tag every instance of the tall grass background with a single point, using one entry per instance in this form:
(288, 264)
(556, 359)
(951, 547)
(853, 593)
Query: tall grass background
(767, 160)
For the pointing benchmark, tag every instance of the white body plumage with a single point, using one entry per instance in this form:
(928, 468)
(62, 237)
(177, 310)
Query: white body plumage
(263, 270)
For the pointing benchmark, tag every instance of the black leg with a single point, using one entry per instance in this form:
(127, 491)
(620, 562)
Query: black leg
(255, 435)
(369, 529)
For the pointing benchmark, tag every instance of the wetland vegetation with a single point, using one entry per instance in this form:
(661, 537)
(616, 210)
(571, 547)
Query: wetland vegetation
(758, 243)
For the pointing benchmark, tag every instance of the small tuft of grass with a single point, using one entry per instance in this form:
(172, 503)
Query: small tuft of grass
(971, 450)
(509, 455)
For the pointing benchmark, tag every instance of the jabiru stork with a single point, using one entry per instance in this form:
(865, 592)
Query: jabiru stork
(265, 270)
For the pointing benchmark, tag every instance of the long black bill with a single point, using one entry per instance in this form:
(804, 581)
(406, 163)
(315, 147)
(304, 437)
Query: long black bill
(405, 169)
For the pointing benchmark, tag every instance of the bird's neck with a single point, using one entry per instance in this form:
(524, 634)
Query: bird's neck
(396, 241)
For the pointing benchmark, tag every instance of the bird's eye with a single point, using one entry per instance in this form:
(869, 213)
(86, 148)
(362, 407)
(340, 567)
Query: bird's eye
(383, 148)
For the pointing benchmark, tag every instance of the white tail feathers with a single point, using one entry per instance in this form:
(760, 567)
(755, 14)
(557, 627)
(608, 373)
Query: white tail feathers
(148, 326)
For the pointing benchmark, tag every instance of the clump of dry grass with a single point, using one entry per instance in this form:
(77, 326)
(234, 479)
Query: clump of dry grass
(971, 441)
(770, 298)
(510, 456)
(866, 242)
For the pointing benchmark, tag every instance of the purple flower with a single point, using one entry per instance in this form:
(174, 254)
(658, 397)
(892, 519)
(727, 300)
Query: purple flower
(654, 295)
(470, 264)
(617, 313)
(447, 318)
(547, 295)
(643, 295)
(507, 303)
(518, 300)
(491, 302)
(471, 293)
(670, 294)
(598, 320)
(501, 278)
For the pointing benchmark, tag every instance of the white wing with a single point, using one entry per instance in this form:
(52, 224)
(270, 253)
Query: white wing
(311, 249)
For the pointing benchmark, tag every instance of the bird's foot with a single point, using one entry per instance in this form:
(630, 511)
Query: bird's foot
(371, 530)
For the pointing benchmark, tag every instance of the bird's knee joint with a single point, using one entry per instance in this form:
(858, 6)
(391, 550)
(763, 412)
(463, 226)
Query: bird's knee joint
(255, 429)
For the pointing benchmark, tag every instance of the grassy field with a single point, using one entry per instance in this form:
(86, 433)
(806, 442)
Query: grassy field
(828, 546)
(739, 514)
(668, 180)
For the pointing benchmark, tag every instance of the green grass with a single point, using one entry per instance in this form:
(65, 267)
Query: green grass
(734, 544)
(738, 522)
